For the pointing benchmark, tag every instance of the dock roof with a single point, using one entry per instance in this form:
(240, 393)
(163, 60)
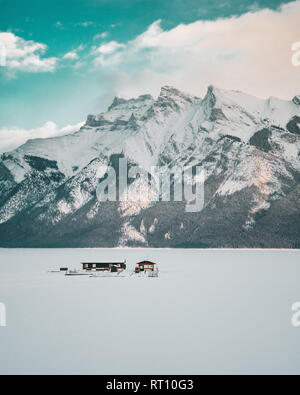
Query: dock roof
(146, 263)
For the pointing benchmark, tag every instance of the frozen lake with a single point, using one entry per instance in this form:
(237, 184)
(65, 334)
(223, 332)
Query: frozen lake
(208, 312)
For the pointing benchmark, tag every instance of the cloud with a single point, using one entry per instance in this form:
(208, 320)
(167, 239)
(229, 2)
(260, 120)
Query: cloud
(100, 36)
(79, 64)
(251, 52)
(109, 48)
(254, 7)
(72, 55)
(108, 54)
(11, 138)
(59, 25)
(85, 24)
(25, 55)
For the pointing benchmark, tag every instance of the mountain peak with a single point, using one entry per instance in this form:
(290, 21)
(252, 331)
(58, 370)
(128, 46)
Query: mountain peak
(215, 95)
(212, 89)
(116, 102)
(120, 101)
(296, 100)
(169, 90)
(210, 98)
(222, 94)
(170, 94)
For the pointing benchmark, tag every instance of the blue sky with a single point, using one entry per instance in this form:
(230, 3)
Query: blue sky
(87, 51)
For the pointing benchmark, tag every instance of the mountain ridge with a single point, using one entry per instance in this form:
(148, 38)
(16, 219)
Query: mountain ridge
(248, 147)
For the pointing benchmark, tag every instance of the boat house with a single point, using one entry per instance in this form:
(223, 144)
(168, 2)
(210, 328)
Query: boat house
(144, 266)
(104, 266)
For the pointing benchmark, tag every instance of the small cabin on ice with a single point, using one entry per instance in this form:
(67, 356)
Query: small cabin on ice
(104, 266)
(145, 266)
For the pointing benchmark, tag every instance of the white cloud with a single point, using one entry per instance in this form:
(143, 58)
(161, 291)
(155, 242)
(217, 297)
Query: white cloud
(11, 138)
(59, 25)
(25, 55)
(72, 55)
(85, 24)
(254, 7)
(79, 64)
(251, 52)
(101, 36)
(109, 48)
(108, 54)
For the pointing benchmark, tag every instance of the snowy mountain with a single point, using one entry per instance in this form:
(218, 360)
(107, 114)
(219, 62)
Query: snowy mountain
(248, 147)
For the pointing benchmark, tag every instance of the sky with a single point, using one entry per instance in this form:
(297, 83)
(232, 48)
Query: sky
(65, 59)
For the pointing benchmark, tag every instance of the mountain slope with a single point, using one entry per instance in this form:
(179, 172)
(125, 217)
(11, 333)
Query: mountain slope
(248, 147)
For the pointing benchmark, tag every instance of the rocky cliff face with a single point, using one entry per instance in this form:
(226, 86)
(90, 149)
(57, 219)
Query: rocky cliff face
(248, 147)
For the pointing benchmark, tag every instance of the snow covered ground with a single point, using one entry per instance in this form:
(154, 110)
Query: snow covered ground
(208, 312)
